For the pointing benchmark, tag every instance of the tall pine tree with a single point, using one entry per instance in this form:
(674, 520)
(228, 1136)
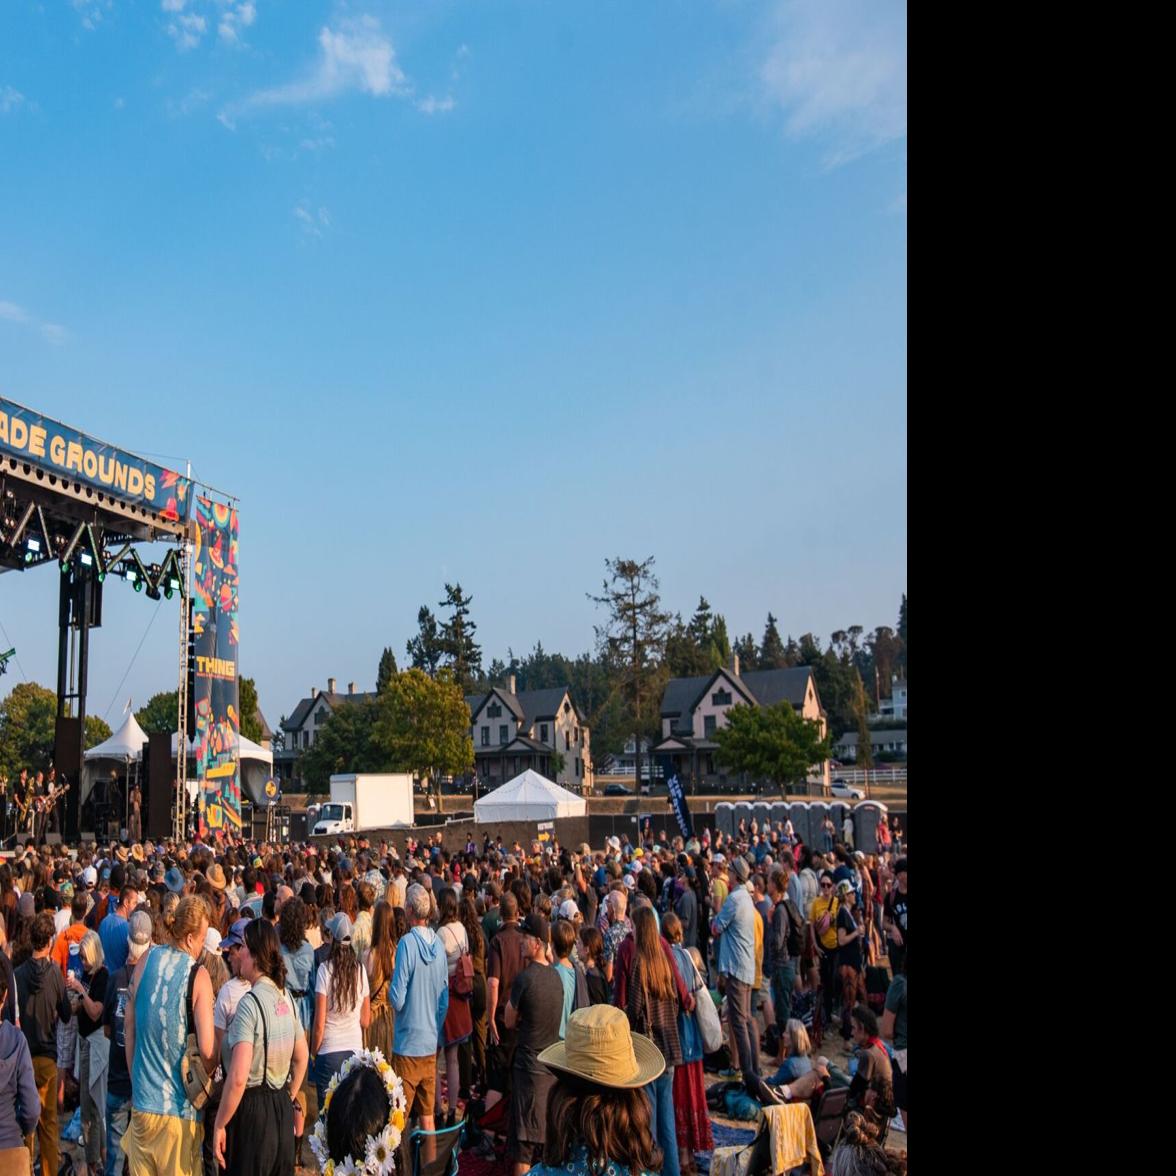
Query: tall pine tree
(771, 654)
(424, 650)
(462, 652)
(386, 670)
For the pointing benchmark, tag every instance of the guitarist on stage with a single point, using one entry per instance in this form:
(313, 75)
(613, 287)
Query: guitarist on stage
(52, 821)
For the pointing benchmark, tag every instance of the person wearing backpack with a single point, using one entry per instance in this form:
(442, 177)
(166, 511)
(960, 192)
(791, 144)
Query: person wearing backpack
(786, 936)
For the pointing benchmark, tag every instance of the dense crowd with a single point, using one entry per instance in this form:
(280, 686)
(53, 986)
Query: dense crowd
(239, 1005)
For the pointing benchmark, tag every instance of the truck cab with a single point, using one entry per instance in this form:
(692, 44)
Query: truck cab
(335, 817)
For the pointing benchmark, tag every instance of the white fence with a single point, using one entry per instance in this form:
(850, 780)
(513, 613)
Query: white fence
(869, 775)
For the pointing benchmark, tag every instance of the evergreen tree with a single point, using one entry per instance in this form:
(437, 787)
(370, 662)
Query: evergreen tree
(771, 654)
(865, 749)
(424, 650)
(720, 642)
(902, 618)
(633, 641)
(463, 655)
(385, 670)
(748, 653)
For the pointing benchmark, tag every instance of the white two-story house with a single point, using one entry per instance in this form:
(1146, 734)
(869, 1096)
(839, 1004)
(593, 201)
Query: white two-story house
(301, 728)
(516, 731)
(692, 709)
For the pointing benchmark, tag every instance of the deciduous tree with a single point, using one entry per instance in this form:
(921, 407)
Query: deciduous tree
(27, 727)
(771, 743)
(160, 715)
(422, 725)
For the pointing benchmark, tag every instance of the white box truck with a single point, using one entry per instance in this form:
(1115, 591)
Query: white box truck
(366, 801)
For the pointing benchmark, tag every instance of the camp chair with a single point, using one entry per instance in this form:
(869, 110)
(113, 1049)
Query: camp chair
(445, 1148)
(829, 1115)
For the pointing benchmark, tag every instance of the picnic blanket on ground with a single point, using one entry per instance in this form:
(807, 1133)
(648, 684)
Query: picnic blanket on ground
(725, 1138)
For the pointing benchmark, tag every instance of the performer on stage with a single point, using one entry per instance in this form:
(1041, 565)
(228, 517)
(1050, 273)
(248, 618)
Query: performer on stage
(52, 822)
(37, 793)
(135, 821)
(5, 797)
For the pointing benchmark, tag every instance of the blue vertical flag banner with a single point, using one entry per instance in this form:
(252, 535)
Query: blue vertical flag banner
(215, 635)
(677, 796)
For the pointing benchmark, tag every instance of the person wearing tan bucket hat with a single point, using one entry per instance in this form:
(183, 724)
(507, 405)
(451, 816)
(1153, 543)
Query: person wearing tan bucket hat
(601, 1068)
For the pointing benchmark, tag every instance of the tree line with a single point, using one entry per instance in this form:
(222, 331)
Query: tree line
(639, 645)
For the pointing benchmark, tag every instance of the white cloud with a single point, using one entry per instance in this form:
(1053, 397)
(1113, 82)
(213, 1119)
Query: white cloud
(187, 29)
(311, 222)
(838, 68)
(91, 11)
(237, 16)
(53, 333)
(433, 105)
(355, 57)
(10, 99)
(173, 5)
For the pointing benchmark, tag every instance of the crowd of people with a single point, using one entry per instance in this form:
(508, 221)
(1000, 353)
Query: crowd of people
(215, 1007)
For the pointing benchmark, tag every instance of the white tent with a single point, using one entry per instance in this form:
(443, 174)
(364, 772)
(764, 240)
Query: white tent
(529, 797)
(124, 747)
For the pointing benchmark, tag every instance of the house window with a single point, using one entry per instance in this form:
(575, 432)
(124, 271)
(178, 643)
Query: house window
(502, 733)
(579, 767)
(567, 741)
(577, 737)
(494, 711)
(321, 717)
(708, 726)
(305, 738)
(485, 736)
(721, 698)
(542, 732)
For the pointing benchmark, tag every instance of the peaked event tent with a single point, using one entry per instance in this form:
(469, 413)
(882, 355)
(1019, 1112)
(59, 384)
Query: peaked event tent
(529, 797)
(125, 747)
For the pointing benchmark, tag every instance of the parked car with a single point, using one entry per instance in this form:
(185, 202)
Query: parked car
(616, 790)
(845, 791)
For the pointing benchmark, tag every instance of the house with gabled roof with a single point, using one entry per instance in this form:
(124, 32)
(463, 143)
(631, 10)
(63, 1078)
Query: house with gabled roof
(513, 731)
(693, 709)
(301, 728)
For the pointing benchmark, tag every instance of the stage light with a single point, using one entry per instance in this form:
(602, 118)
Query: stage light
(86, 559)
(152, 593)
(32, 548)
(168, 590)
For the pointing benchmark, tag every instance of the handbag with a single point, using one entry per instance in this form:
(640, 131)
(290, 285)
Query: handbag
(198, 1083)
(461, 983)
(707, 1016)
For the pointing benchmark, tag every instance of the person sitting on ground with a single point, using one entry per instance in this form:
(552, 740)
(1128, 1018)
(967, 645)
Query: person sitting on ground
(872, 1088)
(798, 1050)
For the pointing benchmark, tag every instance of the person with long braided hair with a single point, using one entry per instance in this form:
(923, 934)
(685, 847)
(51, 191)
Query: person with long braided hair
(342, 1006)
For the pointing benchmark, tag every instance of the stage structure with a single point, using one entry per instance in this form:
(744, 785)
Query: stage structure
(69, 499)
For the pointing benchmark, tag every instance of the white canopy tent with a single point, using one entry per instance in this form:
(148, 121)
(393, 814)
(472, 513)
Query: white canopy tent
(124, 747)
(529, 797)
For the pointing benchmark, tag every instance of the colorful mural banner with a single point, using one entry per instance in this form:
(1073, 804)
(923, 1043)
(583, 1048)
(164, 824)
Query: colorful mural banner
(215, 639)
(49, 445)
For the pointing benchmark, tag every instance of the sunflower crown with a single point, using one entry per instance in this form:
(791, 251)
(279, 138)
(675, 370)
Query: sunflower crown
(379, 1158)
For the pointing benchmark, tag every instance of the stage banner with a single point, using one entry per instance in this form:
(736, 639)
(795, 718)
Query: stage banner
(49, 445)
(215, 635)
(677, 795)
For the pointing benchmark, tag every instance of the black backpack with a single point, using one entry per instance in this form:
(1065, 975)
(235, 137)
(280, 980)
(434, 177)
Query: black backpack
(795, 929)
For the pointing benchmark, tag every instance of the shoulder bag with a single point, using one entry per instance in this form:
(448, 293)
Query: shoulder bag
(198, 1083)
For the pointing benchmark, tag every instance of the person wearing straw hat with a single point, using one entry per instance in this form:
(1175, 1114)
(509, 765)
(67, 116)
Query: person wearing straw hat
(598, 1117)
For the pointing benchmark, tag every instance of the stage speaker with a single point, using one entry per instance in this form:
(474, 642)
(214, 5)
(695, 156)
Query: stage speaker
(158, 788)
(23, 838)
(52, 838)
(67, 759)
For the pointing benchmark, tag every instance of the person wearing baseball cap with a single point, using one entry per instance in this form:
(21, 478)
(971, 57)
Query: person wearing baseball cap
(118, 1076)
(535, 1009)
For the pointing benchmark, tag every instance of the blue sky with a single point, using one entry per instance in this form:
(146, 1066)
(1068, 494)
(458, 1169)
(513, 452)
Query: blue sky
(472, 291)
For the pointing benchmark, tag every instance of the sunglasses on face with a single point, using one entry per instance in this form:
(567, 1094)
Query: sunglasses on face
(826, 885)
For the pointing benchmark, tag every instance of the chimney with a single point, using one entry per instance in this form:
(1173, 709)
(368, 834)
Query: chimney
(510, 684)
(314, 692)
(330, 685)
(350, 687)
(735, 664)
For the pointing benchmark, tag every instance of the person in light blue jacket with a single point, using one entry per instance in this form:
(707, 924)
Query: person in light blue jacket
(419, 994)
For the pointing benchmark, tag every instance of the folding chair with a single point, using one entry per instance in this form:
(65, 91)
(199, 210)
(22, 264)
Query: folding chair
(829, 1115)
(445, 1148)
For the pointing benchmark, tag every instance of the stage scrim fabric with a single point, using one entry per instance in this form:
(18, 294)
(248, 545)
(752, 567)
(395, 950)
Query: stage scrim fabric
(214, 617)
